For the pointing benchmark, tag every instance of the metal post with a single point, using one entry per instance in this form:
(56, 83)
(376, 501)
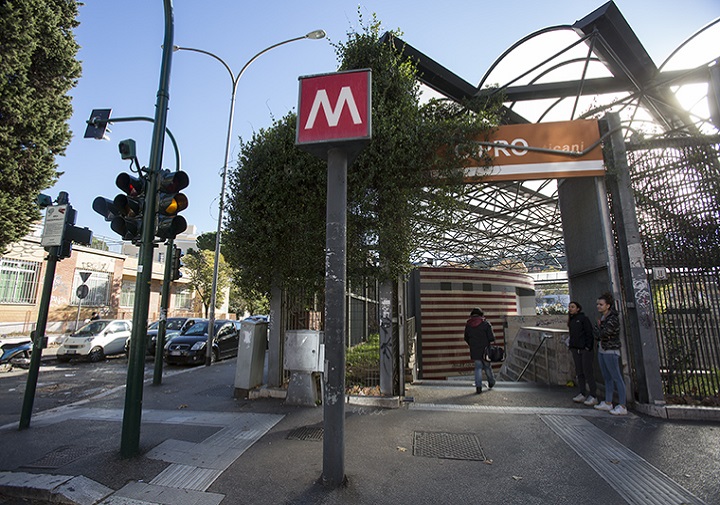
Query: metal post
(162, 325)
(39, 340)
(132, 415)
(335, 264)
(638, 307)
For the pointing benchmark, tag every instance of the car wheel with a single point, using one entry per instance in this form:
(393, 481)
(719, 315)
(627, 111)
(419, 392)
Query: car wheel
(214, 356)
(96, 354)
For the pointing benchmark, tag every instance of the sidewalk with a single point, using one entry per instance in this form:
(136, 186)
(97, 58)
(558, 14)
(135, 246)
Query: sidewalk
(516, 444)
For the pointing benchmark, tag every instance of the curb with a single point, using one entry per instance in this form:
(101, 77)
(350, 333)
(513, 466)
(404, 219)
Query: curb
(53, 488)
(680, 412)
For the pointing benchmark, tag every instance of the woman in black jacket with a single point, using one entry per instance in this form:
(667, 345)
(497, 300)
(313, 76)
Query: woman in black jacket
(581, 347)
(479, 335)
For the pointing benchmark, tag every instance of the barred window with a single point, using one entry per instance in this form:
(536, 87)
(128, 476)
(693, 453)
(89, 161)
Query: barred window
(19, 281)
(99, 284)
(183, 297)
(127, 294)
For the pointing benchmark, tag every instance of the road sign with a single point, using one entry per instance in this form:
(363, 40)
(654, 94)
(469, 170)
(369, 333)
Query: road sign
(335, 108)
(85, 276)
(54, 226)
(82, 291)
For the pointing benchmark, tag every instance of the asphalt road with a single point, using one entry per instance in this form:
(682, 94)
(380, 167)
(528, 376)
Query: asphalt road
(62, 383)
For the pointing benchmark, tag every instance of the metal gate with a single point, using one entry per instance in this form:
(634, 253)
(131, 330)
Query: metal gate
(676, 184)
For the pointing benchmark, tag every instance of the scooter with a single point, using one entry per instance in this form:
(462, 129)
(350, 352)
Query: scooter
(16, 353)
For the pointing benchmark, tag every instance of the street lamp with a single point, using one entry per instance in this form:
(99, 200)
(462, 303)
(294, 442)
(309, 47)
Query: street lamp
(314, 35)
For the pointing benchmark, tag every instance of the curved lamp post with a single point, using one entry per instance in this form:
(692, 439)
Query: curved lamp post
(314, 35)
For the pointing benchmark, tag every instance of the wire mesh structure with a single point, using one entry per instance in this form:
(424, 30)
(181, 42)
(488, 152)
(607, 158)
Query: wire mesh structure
(677, 194)
(594, 66)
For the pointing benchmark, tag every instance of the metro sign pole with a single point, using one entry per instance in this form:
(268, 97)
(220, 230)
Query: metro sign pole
(335, 123)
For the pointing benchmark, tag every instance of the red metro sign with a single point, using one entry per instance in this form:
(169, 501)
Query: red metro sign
(334, 109)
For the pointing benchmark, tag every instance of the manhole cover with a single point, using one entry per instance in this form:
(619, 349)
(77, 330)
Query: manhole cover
(306, 433)
(59, 457)
(447, 446)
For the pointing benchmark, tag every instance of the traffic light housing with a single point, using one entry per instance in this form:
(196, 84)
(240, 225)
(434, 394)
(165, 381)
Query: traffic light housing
(177, 263)
(72, 233)
(125, 211)
(170, 202)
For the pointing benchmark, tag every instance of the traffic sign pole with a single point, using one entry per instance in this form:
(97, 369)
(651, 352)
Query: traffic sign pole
(335, 123)
(39, 339)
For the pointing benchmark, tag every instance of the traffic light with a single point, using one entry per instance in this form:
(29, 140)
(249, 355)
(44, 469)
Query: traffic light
(125, 212)
(130, 206)
(72, 233)
(170, 201)
(177, 263)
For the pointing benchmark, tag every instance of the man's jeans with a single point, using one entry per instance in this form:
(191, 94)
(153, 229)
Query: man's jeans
(481, 365)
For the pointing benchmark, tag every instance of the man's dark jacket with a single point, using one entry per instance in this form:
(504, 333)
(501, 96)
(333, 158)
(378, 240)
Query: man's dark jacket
(478, 335)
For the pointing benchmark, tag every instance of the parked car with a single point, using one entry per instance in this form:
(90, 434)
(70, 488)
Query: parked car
(95, 340)
(174, 326)
(190, 347)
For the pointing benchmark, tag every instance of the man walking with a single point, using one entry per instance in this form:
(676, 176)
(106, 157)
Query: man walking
(479, 335)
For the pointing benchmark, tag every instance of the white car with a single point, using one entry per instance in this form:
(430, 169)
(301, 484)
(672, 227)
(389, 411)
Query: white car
(95, 340)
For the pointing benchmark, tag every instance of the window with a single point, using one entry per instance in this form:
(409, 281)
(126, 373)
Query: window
(99, 285)
(127, 294)
(183, 297)
(18, 281)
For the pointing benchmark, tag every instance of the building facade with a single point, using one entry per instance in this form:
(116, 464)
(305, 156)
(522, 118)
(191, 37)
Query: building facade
(109, 276)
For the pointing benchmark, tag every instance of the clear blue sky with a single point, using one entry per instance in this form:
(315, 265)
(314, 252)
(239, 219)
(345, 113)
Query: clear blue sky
(120, 53)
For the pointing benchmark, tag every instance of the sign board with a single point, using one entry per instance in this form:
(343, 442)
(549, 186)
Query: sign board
(334, 110)
(82, 291)
(512, 161)
(54, 226)
(97, 124)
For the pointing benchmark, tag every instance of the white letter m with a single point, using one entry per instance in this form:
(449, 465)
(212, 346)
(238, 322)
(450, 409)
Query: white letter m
(333, 116)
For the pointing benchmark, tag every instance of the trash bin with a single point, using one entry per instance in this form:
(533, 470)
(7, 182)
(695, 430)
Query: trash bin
(304, 357)
(251, 356)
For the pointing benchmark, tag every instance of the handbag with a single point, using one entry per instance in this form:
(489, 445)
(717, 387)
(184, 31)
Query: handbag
(494, 354)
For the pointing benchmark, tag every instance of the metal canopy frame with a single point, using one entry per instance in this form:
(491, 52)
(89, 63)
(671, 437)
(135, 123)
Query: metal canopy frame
(516, 225)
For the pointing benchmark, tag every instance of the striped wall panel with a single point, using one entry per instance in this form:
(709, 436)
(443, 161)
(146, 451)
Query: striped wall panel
(446, 297)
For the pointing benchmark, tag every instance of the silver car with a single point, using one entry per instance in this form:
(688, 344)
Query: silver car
(95, 340)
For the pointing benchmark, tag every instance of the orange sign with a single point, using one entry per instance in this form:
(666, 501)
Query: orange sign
(540, 151)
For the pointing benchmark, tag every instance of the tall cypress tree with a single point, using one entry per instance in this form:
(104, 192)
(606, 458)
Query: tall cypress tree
(38, 67)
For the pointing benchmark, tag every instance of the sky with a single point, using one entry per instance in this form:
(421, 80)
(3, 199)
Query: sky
(121, 53)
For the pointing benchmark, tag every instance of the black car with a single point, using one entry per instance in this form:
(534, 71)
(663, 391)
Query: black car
(174, 326)
(189, 348)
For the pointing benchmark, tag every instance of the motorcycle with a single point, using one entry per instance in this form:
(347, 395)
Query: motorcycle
(16, 353)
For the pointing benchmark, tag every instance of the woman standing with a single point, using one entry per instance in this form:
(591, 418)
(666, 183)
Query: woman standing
(479, 335)
(609, 355)
(581, 347)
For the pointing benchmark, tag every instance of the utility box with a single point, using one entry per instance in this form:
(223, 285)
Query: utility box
(304, 357)
(304, 350)
(251, 356)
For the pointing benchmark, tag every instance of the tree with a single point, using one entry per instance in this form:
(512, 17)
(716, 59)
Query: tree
(276, 209)
(206, 241)
(38, 67)
(253, 303)
(199, 266)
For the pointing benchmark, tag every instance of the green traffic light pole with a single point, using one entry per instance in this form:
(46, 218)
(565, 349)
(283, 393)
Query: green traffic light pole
(39, 338)
(162, 325)
(132, 414)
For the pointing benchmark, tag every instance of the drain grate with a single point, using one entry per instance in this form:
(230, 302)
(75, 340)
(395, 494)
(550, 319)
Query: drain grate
(314, 434)
(447, 446)
(59, 457)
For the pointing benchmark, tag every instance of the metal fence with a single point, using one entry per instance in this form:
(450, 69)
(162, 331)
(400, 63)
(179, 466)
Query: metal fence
(676, 183)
